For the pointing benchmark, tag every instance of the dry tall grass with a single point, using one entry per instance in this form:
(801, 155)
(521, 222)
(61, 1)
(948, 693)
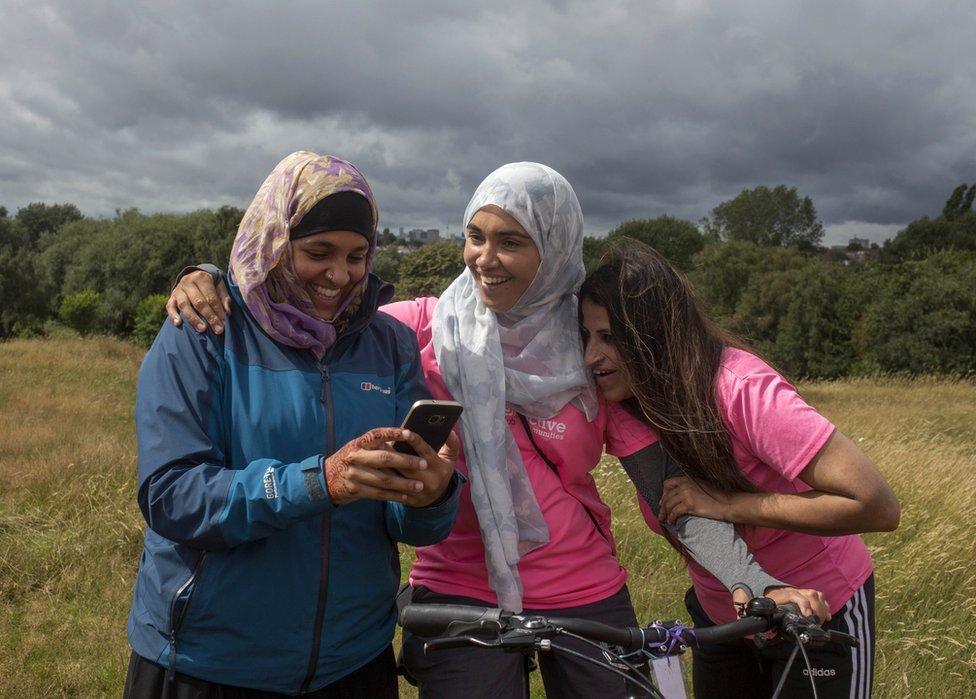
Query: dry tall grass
(70, 533)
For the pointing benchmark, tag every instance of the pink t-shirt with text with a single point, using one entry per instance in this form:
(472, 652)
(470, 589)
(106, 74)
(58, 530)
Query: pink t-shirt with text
(578, 566)
(775, 435)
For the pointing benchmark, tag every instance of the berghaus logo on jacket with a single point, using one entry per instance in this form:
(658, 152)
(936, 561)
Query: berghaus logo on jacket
(368, 386)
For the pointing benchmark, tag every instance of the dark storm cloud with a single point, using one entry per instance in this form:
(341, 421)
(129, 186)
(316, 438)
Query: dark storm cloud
(648, 108)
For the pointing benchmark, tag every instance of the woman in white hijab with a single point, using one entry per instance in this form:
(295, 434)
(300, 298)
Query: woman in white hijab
(532, 533)
(525, 355)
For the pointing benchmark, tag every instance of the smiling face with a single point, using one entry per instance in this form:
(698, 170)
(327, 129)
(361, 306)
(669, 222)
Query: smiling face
(329, 265)
(502, 257)
(601, 355)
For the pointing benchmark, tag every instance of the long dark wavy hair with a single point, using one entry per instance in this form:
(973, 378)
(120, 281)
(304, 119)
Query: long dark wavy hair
(671, 352)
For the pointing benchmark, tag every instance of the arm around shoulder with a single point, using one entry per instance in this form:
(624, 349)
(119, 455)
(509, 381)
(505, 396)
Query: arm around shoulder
(200, 295)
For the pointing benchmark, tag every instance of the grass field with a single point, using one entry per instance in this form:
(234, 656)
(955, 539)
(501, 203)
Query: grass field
(70, 532)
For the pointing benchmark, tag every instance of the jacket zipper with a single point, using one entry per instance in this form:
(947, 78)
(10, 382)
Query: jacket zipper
(175, 624)
(313, 657)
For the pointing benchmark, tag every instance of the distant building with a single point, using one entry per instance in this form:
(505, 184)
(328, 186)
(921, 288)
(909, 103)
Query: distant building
(846, 255)
(862, 243)
(423, 236)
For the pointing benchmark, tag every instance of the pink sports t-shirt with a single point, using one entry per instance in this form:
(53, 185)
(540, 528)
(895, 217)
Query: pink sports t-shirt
(578, 566)
(775, 435)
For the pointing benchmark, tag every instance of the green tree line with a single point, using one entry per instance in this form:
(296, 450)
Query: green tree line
(756, 262)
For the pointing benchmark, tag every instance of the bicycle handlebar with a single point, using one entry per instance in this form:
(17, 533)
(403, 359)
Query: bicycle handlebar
(463, 624)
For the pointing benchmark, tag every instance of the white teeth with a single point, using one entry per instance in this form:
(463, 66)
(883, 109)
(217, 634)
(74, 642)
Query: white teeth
(494, 280)
(327, 293)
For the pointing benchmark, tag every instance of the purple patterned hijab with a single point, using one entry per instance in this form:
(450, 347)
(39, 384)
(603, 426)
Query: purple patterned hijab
(261, 262)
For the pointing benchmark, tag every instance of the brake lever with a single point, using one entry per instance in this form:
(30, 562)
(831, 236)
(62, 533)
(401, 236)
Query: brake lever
(444, 642)
(510, 642)
(842, 638)
(809, 632)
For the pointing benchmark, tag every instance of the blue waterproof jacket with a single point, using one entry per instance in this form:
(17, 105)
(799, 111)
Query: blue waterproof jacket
(250, 576)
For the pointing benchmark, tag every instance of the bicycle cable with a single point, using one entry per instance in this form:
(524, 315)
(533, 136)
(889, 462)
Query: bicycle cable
(806, 660)
(786, 672)
(607, 653)
(582, 656)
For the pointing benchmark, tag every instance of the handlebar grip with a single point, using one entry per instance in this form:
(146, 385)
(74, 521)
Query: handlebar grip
(728, 632)
(429, 620)
(627, 638)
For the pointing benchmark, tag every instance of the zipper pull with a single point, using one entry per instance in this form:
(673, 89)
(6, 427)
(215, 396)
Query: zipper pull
(171, 668)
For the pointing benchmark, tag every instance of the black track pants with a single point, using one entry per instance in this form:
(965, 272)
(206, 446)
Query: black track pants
(739, 669)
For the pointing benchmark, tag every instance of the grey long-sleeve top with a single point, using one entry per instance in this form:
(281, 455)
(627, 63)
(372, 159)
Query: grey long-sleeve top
(714, 545)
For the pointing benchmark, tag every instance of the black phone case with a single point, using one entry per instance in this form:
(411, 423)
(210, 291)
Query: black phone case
(433, 423)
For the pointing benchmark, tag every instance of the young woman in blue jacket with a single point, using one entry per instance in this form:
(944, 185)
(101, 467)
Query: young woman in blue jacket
(273, 498)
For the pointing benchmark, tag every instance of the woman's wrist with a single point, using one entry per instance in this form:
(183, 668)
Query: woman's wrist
(734, 507)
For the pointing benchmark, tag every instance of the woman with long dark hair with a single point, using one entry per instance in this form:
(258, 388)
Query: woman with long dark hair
(755, 454)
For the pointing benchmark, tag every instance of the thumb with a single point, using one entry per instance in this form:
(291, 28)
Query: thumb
(449, 452)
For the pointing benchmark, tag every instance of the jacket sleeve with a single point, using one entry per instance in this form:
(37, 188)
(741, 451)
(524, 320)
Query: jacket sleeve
(211, 269)
(418, 526)
(714, 545)
(188, 492)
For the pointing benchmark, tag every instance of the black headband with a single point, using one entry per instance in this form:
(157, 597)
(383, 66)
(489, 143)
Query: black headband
(342, 211)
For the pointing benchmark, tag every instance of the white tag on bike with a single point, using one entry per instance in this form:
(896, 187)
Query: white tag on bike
(667, 673)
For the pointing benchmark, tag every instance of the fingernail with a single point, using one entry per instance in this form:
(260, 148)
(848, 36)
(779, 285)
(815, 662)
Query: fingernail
(218, 328)
(418, 486)
(421, 463)
(407, 434)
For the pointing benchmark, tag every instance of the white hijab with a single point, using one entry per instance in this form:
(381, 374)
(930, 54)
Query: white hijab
(534, 362)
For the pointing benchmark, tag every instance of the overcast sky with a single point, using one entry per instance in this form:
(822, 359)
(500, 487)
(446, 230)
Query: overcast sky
(648, 108)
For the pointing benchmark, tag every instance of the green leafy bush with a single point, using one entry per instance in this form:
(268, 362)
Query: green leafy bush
(923, 320)
(79, 311)
(386, 264)
(676, 239)
(429, 270)
(150, 314)
(28, 327)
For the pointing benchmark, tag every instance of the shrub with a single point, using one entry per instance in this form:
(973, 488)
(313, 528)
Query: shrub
(814, 335)
(28, 327)
(150, 314)
(676, 239)
(429, 270)
(386, 264)
(79, 311)
(923, 320)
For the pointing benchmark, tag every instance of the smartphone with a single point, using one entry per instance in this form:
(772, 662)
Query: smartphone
(433, 420)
